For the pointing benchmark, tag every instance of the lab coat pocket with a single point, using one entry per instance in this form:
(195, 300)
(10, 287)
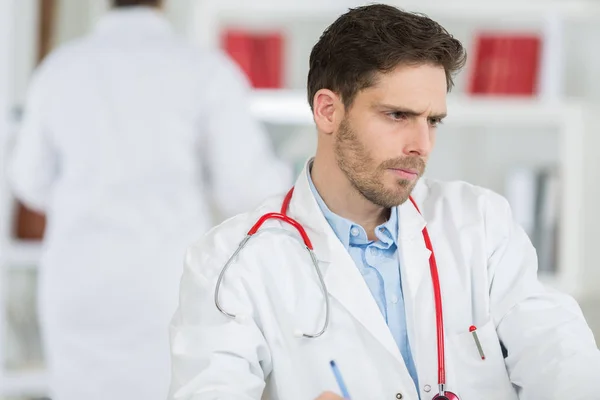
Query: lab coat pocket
(475, 378)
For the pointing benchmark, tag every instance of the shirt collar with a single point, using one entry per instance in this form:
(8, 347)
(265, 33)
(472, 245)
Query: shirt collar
(135, 20)
(344, 228)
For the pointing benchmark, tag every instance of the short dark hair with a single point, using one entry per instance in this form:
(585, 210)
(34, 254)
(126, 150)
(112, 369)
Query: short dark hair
(377, 38)
(130, 3)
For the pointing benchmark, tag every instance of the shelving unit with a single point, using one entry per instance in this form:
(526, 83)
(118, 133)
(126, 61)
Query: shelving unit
(290, 107)
(210, 15)
(244, 11)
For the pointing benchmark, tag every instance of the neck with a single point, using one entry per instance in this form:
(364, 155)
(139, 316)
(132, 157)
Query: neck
(343, 198)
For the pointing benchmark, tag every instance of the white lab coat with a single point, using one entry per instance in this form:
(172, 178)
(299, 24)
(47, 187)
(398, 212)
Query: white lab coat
(487, 268)
(121, 129)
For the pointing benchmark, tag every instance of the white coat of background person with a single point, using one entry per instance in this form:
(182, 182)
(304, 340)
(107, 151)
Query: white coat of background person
(377, 84)
(120, 129)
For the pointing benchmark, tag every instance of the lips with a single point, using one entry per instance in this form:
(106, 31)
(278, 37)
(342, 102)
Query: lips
(407, 170)
(406, 173)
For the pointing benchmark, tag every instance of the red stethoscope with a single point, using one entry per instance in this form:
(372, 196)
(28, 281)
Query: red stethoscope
(282, 216)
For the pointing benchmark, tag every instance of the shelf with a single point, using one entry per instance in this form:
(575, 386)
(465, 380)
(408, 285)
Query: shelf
(24, 384)
(281, 107)
(22, 254)
(276, 10)
(290, 107)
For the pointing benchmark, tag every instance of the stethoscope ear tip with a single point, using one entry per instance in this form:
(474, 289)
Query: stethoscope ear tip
(242, 317)
(298, 333)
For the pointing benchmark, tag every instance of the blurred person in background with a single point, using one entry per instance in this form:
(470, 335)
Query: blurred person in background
(121, 130)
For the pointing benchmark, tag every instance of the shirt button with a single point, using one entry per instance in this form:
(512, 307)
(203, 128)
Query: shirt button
(427, 388)
(399, 396)
(375, 251)
(354, 231)
(394, 299)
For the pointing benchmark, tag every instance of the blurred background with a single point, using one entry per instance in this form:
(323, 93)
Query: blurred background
(521, 122)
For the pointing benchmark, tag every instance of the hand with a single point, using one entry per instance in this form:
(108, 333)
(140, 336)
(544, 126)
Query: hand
(329, 396)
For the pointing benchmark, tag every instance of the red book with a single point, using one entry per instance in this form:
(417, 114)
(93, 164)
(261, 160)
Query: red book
(268, 62)
(239, 46)
(260, 56)
(506, 65)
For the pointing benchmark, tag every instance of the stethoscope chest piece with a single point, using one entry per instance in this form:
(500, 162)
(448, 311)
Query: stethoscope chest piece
(446, 396)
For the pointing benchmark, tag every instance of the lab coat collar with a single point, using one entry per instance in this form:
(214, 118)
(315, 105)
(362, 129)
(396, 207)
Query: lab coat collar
(134, 20)
(342, 277)
(412, 250)
(306, 210)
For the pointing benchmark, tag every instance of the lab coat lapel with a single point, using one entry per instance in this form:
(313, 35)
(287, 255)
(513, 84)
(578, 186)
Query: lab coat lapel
(346, 284)
(342, 278)
(417, 289)
(413, 253)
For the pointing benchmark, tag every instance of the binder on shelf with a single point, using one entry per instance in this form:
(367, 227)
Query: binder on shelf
(259, 55)
(547, 220)
(506, 64)
(520, 191)
(534, 197)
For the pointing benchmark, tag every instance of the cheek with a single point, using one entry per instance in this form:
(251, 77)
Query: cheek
(387, 139)
(432, 138)
(381, 139)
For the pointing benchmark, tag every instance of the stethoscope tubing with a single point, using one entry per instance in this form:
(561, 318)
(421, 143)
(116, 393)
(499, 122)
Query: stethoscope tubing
(282, 216)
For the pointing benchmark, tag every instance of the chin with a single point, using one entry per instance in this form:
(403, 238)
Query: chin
(404, 192)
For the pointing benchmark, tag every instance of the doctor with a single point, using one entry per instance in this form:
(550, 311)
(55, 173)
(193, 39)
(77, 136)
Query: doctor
(120, 128)
(377, 87)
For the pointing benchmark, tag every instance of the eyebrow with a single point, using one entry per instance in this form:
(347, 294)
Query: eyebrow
(408, 111)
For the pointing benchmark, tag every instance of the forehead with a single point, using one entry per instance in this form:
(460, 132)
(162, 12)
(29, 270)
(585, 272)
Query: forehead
(415, 86)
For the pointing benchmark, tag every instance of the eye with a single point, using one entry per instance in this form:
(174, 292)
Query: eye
(397, 115)
(434, 122)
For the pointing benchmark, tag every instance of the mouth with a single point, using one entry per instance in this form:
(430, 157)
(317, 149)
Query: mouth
(406, 173)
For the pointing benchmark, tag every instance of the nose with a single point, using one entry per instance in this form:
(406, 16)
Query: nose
(419, 139)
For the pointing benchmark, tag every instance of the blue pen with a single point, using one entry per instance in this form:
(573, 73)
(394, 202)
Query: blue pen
(338, 378)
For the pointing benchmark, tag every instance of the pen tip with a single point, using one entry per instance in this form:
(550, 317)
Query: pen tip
(332, 363)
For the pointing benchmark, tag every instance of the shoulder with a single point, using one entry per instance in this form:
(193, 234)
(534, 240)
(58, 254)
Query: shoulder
(457, 208)
(66, 53)
(50, 76)
(59, 63)
(220, 242)
(462, 203)
(220, 70)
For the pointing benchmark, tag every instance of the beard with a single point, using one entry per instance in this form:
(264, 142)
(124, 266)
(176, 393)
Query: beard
(367, 177)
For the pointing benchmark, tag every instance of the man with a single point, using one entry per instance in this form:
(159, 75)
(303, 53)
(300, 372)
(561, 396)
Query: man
(119, 130)
(377, 87)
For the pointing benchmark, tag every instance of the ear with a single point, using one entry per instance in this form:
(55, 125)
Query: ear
(328, 111)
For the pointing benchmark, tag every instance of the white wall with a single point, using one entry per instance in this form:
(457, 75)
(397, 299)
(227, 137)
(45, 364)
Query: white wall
(6, 93)
(6, 55)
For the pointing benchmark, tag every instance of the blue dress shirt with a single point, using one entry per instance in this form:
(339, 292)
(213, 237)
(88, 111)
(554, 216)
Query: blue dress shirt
(379, 265)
